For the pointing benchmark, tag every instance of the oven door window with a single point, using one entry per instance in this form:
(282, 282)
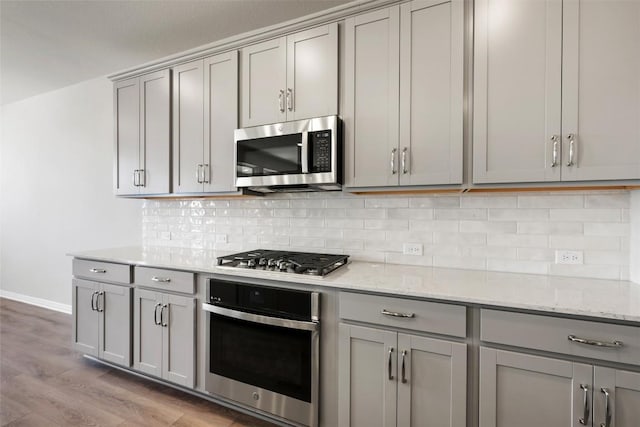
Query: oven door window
(269, 357)
(274, 155)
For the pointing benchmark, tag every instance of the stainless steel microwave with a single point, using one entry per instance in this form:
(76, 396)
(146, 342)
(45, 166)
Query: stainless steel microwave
(305, 155)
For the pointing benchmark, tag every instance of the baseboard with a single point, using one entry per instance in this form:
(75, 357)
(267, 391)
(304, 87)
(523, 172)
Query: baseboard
(51, 305)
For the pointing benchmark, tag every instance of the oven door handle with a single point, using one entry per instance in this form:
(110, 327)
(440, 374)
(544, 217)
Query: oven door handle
(257, 318)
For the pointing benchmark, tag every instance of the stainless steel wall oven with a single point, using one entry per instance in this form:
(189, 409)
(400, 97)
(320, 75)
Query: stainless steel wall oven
(263, 348)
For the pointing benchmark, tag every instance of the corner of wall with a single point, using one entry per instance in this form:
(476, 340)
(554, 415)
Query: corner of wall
(634, 252)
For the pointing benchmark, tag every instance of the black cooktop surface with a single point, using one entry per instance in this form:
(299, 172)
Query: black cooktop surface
(285, 261)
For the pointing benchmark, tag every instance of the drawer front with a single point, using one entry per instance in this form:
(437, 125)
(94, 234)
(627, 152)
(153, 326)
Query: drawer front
(166, 280)
(552, 334)
(102, 271)
(437, 318)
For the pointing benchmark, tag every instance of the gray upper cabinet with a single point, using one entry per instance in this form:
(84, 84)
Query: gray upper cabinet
(548, 104)
(404, 95)
(102, 320)
(205, 114)
(291, 78)
(142, 134)
(164, 336)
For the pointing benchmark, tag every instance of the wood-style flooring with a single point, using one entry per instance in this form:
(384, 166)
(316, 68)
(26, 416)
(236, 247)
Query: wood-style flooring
(43, 382)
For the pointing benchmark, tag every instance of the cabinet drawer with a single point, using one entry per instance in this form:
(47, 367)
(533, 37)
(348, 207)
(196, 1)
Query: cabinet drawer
(552, 334)
(427, 316)
(102, 271)
(166, 280)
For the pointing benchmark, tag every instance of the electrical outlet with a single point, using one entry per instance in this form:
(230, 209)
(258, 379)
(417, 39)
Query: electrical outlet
(412, 248)
(569, 257)
(221, 238)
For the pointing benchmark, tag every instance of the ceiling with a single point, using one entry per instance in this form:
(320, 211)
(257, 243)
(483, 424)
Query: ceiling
(47, 45)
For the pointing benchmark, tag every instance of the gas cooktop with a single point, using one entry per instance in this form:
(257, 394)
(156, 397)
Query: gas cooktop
(285, 261)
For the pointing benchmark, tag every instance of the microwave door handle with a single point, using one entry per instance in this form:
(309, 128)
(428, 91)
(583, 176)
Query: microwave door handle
(304, 154)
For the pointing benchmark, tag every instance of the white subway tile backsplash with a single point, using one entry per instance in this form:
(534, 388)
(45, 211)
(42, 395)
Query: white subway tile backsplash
(488, 227)
(585, 215)
(550, 227)
(474, 201)
(617, 200)
(512, 233)
(558, 201)
(518, 214)
(585, 242)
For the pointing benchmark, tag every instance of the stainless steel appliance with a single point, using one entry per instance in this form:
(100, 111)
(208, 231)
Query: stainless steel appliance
(285, 261)
(305, 155)
(263, 348)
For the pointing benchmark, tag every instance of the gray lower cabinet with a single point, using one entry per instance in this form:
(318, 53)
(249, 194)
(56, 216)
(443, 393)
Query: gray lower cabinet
(102, 320)
(164, 336)
(526, 390)
(389, 378)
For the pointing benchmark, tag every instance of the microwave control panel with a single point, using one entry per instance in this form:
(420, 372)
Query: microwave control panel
(320, 153)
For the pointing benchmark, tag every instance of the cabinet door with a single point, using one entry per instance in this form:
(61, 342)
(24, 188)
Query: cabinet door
(432, 382)
(517, 90)
(367, 377)
(263, 83)
(126, 112)
(371, 101)
(188, 117)
(221, 119)
(85, 318)
(601, 90)
(623, 388)
(115, 324)
(530, 391)
(147, 335)
(179, 330)
(431, 87)
(155, 138)
(312, 73)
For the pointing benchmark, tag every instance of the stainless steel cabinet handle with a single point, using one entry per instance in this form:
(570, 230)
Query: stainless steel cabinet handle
(585, 417)
(396, 314)
(572, 141)
(289, 99)
(281, 101)
(614, 344)
(404, 377)
(554, 160)
(94, 306)
(404, 161)
(135, 178)
(97, 270)
(198, 169)
(607, 409)
(389, 363)
(143, 180)
(393, 161)
(165, 322)
(98, 299)
(160, 279)
(155, 315)
(205, 173)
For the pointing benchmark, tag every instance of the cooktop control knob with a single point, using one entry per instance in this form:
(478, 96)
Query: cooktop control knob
(251, 263)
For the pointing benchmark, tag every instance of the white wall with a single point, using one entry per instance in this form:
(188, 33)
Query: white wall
(56, 189)
(634, 253)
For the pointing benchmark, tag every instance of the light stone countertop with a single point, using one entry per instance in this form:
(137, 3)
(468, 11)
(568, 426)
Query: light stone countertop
(607, 299)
